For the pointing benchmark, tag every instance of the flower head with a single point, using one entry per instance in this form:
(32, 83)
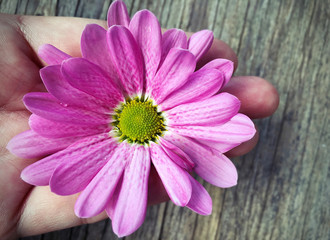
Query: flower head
(133, 99)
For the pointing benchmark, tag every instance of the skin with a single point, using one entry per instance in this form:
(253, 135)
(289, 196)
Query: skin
(28, 210)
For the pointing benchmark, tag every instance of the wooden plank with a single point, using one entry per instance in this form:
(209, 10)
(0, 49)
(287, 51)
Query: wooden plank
(8, 6)
(282, 191)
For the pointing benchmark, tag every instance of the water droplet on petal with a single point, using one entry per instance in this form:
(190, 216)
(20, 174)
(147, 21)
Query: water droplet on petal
(64, 104)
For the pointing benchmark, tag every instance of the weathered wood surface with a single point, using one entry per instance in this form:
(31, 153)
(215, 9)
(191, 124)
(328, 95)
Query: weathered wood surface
(283, 190)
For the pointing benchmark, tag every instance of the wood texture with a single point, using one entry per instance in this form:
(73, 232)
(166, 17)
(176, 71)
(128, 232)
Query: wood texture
(283, 190)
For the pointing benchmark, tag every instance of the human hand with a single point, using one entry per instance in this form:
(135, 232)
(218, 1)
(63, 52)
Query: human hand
(27, 210)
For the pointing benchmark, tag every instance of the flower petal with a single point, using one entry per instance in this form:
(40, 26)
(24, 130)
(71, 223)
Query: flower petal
(89, 78)
(173, 38)
(223, 65)
(200, 201)
(177, 155)
(40, 172)
(200, 42)
(211, 111)
(130, 209)
(219, 146)
(175, 179)
(239, 129)
(98, 192)
(173, 74)
(127, 58)
(212, 166)
(46, 106)
(79, 166)
(94, 47)
(51, 129)
(111, 206)
(146, 29)
(66, 93)
(200, 85)
(51, 55)
(29, 144)
(117, 14)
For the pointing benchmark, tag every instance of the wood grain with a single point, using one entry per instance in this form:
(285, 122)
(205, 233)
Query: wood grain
(283, 190)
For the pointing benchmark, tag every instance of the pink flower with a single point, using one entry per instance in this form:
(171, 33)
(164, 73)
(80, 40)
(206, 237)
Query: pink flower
(132, 100)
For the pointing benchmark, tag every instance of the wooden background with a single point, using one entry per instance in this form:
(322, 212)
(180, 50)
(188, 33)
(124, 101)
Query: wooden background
(283, 190)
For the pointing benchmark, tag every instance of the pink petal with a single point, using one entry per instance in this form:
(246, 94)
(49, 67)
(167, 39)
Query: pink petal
(200, 201)
(117, 14)
(173, 38)
(66, 93)
(127, 58)
(219, 146)
(211, 111)
(46, 106)
(51, 129)
(173, 74)
(111, 206)
(239, 129)
(200, 85)
(177, 155)
(40, 172)
(146, 29)
(78, 167)
(223, 65)
(200, 42)
(212, 166)
(130, 209)
(94, 47)
(29, 144)
(51, 55)
(95, 197)
(175, 179)
(89, 78)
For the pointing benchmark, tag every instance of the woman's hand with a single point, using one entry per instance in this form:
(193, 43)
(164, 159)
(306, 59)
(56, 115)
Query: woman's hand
(27, 210)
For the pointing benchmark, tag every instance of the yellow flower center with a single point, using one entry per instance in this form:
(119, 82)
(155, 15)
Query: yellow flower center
(138, 121)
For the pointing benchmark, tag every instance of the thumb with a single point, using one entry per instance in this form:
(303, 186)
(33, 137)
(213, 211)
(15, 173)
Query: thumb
(62, 32)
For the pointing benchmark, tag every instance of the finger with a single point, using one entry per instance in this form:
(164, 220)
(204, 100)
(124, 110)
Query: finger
(45, 211)
(156, 190)
(219, 49)
(62, 32)
(258, 97)
(244, 147)
(65, 33)
(14, 61)
(41, 211)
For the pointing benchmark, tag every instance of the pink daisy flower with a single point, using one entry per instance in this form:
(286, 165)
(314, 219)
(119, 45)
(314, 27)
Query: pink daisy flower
(133, 99)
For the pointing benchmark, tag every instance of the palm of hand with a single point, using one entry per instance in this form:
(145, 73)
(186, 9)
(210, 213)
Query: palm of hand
(28, 210)
(23, 206)
(17, 64)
